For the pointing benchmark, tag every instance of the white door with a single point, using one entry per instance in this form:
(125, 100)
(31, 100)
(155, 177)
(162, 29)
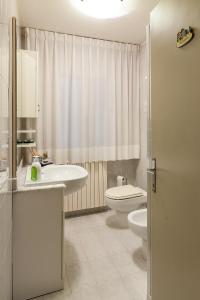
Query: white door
(174, 210)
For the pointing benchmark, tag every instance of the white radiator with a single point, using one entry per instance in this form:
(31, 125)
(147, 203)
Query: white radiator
(92, 195)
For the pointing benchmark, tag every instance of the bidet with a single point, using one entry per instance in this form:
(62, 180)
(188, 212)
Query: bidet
(137, 221)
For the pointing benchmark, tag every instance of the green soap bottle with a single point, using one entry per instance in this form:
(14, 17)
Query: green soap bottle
(34, 175)
(36, 169)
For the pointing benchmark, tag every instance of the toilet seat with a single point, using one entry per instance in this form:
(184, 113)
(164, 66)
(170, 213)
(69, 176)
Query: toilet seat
(124, 192)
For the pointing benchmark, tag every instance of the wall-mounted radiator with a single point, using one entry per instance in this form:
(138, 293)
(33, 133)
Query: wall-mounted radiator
(92, 195)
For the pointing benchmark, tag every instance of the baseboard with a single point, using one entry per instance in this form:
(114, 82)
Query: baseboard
(83, 212)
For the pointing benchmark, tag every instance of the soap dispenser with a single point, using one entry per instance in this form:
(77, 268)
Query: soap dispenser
(36, 169)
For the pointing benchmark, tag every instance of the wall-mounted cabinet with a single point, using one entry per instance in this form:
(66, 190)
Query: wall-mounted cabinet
(27, 84)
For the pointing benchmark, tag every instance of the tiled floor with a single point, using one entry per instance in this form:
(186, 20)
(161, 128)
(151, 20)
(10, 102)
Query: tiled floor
(102, 262)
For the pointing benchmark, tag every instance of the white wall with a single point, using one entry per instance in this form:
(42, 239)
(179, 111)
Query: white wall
(141, 174)
(8, 8)
(126, 168)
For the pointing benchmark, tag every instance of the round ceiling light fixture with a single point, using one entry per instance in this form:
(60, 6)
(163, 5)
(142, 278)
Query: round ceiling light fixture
(104, 9)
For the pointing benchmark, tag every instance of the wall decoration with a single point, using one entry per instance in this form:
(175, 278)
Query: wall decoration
(184, 37)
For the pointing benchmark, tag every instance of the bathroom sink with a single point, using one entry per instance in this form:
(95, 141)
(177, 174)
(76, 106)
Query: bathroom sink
(74, 177)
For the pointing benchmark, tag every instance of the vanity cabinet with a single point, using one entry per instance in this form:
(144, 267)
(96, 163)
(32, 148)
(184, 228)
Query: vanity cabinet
(38, 241)
(27, 84)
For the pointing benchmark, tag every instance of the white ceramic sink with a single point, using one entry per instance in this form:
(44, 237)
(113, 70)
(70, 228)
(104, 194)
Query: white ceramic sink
(74, 177)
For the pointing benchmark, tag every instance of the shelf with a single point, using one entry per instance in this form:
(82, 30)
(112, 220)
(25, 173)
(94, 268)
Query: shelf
(26, 131)
(21, 131)
(26, 145)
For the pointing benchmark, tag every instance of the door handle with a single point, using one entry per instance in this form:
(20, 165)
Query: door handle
(152, 172)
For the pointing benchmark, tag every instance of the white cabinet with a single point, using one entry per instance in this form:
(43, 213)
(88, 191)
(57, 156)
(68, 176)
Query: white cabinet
(38, 241)
(27, 84)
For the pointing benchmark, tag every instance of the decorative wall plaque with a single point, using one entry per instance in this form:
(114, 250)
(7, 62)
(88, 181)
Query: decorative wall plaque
(184, 37)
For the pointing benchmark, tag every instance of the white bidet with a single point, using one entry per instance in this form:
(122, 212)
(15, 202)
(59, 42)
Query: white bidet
(137, 221)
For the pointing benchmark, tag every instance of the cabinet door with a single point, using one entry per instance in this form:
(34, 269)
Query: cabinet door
(38, 239)
(19, 84)
(27, 84)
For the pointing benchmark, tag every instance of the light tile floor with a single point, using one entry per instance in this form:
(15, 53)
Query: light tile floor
(102, 262)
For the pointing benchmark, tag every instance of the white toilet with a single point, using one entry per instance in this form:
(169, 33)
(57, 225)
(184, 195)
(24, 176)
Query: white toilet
(124, 199)
(137, 221)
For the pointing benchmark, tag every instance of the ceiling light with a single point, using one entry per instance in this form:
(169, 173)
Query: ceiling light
(104, 9)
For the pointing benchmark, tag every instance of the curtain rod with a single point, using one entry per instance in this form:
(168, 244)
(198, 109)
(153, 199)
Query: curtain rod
(87, 37)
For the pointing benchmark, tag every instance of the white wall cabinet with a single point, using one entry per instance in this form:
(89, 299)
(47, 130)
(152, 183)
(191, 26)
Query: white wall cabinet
(27, 84)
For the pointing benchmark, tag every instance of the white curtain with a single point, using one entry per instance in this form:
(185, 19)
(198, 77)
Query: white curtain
(89, 97)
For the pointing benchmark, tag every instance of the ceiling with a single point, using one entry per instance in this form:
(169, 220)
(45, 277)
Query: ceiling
(61, 16)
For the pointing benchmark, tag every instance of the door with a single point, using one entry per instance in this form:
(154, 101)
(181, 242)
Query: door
(174, 214)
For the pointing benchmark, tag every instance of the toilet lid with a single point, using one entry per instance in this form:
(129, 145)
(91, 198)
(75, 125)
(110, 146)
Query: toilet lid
(124, 192)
